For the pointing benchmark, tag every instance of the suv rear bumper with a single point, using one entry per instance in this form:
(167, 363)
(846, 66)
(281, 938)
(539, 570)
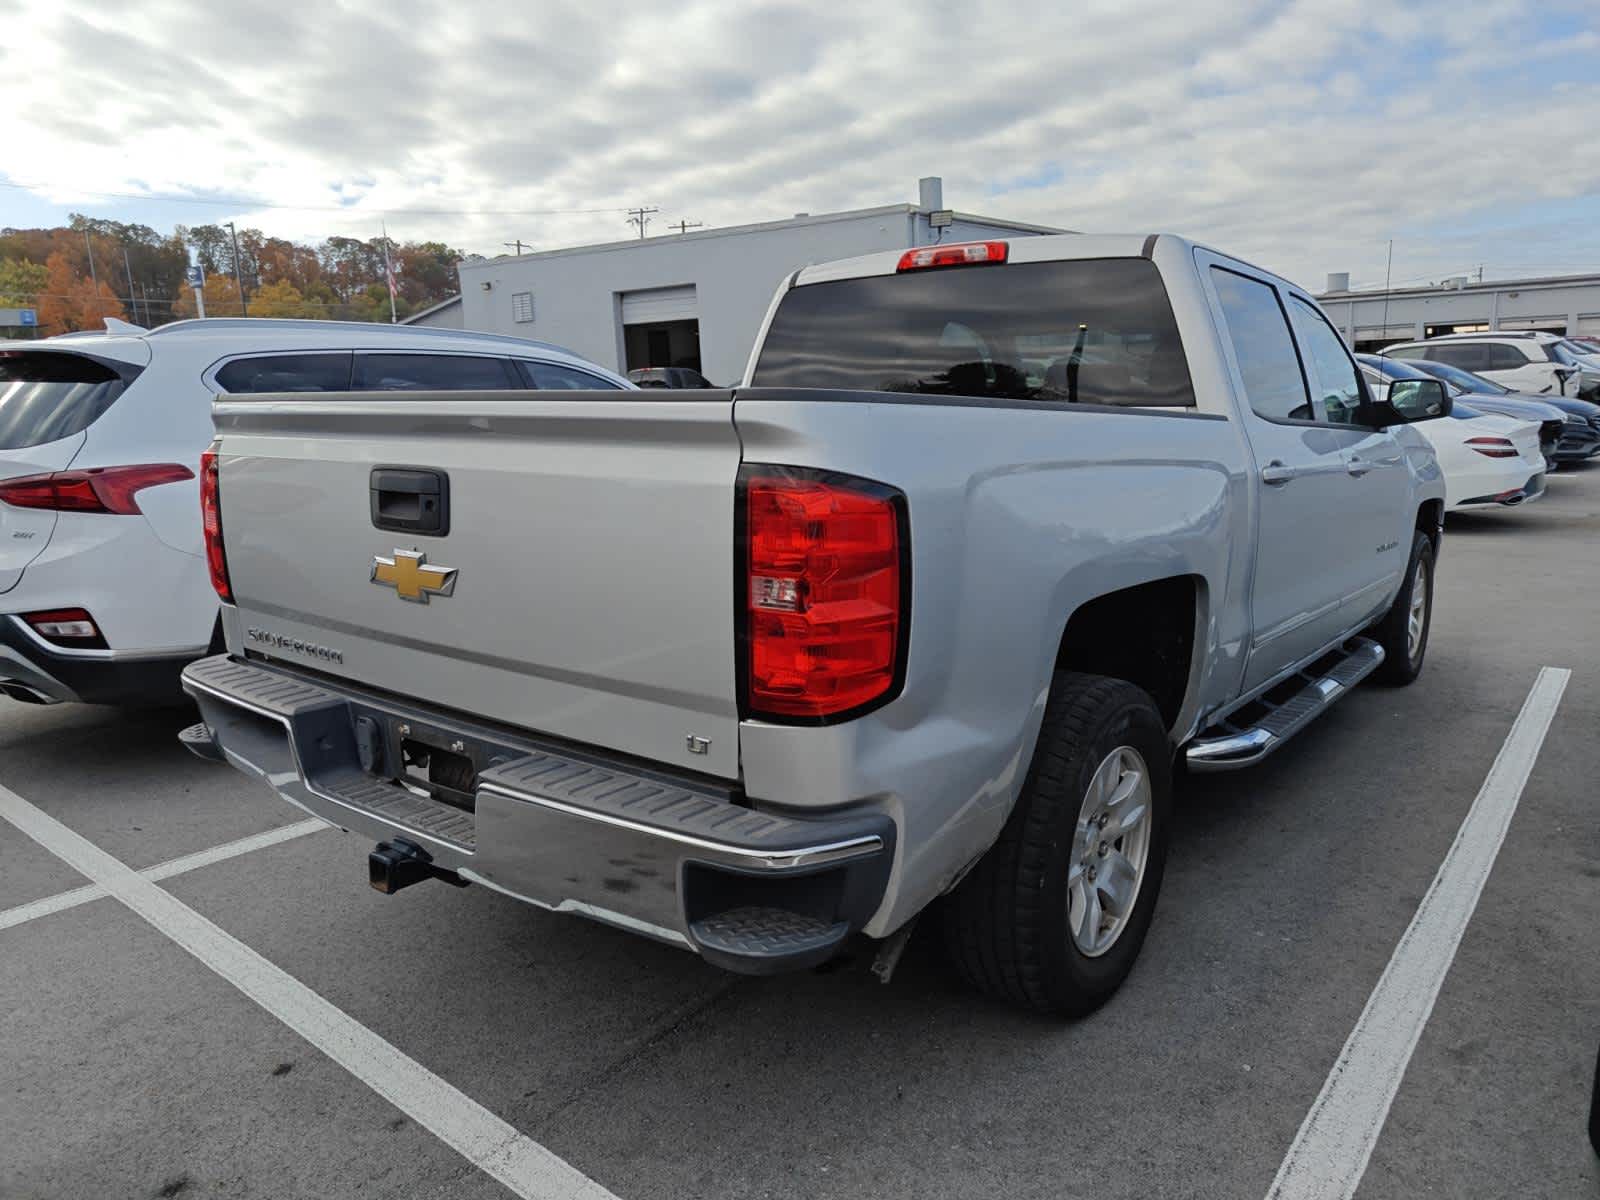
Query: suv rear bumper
(675, 857)
(31, 670)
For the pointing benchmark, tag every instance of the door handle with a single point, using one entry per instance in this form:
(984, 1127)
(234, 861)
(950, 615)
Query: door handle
(1277, 473)
(410, 500)
(1358, 466)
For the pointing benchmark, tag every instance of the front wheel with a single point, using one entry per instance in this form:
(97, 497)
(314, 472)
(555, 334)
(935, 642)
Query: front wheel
(1403, 632)
(1054, 915)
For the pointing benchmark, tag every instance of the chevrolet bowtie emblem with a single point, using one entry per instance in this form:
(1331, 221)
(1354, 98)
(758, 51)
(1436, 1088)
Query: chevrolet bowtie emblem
(409, 574)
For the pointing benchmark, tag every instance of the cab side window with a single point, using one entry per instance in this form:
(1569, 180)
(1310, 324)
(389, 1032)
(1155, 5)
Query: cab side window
(1338, 384)
(1259, 331)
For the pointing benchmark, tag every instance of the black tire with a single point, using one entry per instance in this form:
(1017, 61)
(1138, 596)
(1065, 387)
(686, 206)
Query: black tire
(1007, 924)
(1400, 665)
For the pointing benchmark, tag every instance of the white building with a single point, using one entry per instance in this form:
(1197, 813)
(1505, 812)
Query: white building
(690, 299)
(1372, 320)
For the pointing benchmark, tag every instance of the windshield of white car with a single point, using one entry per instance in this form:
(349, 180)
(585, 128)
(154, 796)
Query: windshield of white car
(1568, 353)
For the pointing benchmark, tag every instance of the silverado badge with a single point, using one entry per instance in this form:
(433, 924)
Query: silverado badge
(408, 574)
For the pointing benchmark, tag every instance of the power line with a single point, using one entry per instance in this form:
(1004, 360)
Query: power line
(226, 202)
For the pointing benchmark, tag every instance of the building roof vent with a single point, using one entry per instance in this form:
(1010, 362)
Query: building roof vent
(930, 193)
(1338, 281)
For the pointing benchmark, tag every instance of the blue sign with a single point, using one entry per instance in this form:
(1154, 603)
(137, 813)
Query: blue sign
(196, 277)
(29, 316)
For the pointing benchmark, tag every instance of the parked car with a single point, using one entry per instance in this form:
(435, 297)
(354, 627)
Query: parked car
(1580, 429)
(1486, 459)
(669, 377)
(1541, 363)
(103, 580)
(1551, 420)
(974, 621)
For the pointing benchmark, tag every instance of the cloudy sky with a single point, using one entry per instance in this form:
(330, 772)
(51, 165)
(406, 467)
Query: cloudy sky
(1301, 134)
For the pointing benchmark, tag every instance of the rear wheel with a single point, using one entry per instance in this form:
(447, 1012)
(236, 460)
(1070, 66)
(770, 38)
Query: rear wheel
(1403, 632)
(1055, 914)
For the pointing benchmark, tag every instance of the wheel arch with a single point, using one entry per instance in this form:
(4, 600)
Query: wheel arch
(1148, 634)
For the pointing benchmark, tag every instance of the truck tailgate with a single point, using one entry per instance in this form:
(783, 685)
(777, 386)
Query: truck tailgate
(590, 539)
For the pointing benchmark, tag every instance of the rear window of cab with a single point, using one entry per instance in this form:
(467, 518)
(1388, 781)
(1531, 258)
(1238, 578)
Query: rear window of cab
(1087, 331)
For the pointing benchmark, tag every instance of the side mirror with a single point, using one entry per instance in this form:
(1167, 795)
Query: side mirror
(1412, 400)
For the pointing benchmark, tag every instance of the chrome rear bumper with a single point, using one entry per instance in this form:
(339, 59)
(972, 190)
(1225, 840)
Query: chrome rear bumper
(674, 857)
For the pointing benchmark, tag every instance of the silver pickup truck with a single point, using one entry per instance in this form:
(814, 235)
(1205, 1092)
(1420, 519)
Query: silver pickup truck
(989, 540)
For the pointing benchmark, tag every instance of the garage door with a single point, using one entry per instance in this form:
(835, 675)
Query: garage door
(659, 304)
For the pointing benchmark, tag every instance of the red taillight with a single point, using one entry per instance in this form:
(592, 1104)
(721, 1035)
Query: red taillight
(1494, 447)
(67, 627)
(957, 254)
(96, 490)
(825, 590)
(211, 524)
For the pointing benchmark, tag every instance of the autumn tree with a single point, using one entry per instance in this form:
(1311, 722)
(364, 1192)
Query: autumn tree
(20, 284)
(281, 299)
(222, 299)
(71, 301)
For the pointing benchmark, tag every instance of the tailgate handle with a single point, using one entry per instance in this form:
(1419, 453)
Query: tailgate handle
(411, 500)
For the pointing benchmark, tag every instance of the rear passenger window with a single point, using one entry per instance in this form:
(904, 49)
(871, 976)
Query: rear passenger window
(431, 373)
(287, 373)
(1337, 384)
(1506, 358)
(556, 377)
(1259, 331)
(1466, 355)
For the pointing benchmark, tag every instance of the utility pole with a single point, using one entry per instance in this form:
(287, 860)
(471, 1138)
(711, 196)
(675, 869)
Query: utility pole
(685, 226)
(238, 276)
(518, 243)
(89, 249)
(641, 218)
(133, 301)
(1480, 272)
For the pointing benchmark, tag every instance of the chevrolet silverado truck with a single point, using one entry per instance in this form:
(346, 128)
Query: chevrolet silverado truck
(989, 542)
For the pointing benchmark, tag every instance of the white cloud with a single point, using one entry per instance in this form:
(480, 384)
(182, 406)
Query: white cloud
(1301, 134)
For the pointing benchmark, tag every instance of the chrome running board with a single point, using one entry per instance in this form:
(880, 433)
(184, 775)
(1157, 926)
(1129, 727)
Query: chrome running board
(1230, 743)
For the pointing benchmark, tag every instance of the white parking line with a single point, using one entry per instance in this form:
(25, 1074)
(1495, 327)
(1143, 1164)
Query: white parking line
(463, 1124)
(62, 901)
(1335, 1142)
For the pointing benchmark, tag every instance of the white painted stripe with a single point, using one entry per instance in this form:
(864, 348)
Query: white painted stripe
(1335, 1142)
(62, 901)
(463, 1124)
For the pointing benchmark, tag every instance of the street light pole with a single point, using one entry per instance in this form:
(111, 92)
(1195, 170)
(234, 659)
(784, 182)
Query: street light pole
(238, 277)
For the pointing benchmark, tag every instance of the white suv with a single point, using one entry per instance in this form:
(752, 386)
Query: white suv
(1540, 363)
(104, 588)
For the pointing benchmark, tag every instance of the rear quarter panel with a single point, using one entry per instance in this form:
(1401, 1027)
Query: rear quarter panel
(1019, 513)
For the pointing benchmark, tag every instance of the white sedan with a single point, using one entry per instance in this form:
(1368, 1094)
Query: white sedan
(1486, 458)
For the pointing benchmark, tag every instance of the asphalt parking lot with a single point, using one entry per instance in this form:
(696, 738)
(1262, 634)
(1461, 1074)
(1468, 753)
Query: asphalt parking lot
(134, 1070)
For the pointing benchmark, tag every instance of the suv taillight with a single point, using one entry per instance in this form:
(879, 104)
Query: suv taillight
(1494, 447)
(93, 490)
(826, 593)
(211, 524)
